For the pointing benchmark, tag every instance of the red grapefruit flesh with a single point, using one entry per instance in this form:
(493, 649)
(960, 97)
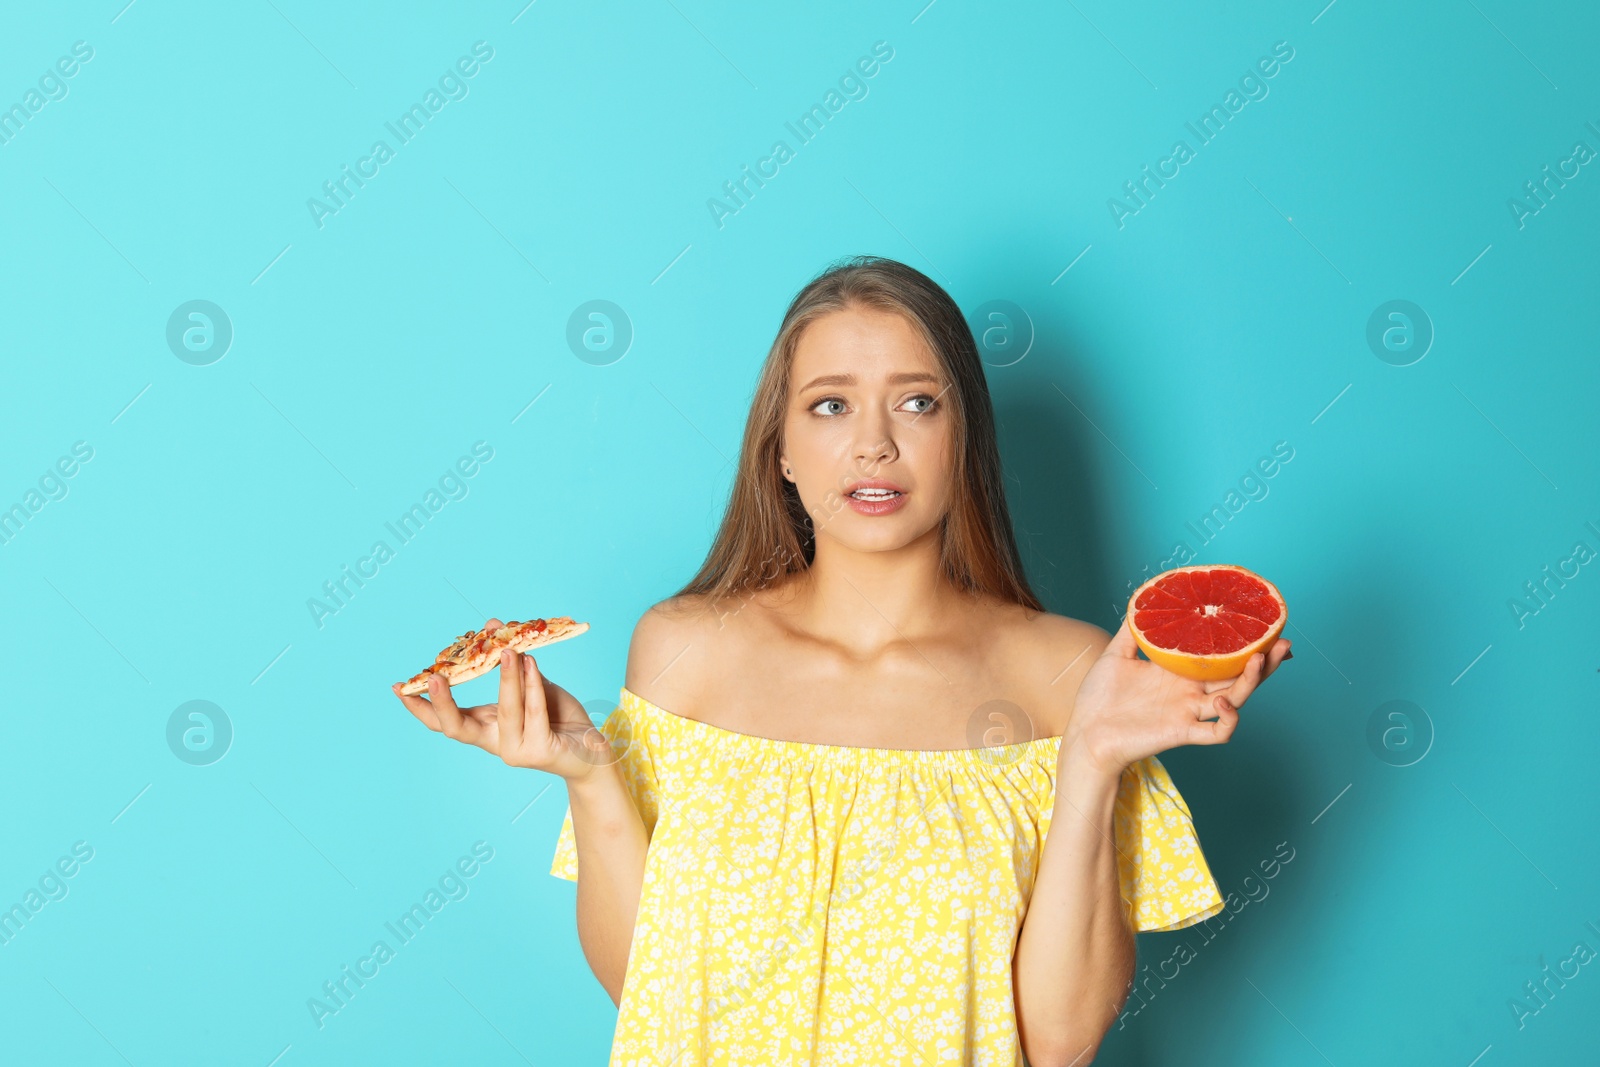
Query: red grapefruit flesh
(1205, 622)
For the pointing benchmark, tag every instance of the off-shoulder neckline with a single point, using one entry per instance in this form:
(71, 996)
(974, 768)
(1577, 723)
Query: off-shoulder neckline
(989, 755)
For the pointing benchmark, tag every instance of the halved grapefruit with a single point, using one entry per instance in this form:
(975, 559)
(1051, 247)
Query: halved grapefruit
(1205, 622)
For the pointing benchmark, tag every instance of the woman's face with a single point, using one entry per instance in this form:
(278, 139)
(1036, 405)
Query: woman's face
(868, 430)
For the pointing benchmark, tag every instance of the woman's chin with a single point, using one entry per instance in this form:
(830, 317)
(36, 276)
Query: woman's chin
(882, 533)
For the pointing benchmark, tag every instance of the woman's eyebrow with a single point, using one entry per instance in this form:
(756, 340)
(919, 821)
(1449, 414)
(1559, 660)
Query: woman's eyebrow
(901, 378)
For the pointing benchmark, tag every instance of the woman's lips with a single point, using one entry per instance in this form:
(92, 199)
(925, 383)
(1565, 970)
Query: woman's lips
(876, 501)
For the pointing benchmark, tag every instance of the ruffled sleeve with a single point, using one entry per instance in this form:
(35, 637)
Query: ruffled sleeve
(1165, 879)
(634, 759)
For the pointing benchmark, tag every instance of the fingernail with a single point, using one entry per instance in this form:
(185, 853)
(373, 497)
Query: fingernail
(1289, 654)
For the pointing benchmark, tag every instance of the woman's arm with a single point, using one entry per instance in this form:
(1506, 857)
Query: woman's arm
(608, 829)
(1075, 954)
(611, 842)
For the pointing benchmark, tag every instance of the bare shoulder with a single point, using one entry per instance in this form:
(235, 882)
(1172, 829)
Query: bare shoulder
(1053, 632)
(671, 645)
(1049, 655)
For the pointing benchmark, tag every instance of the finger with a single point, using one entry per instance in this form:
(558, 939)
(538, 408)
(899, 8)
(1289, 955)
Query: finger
(508, 712)
(1241, 687)
(1275, 655)
(451, 720)
(1218, 731)
(492, 625)
(482, 714)
(1122, 643)
(1281, 651)
(536, 703)
(418, 707)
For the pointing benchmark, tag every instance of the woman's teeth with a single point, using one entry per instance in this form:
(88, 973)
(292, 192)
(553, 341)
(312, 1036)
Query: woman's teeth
(874, 494)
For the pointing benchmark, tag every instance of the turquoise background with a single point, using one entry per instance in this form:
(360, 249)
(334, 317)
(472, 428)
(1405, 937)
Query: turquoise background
(1227, 315)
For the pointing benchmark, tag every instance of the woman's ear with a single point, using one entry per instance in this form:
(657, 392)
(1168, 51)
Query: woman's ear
(783, 467)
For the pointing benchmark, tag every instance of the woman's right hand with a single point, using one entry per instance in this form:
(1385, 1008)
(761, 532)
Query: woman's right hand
(535, 723)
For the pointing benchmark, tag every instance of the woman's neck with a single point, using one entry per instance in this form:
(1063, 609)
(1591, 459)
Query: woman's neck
(868, 600)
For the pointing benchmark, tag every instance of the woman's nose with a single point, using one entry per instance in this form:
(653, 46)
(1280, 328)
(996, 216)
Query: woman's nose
(875, 449)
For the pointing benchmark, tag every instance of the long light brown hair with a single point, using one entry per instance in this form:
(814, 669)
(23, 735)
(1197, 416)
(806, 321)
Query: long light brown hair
(766, 532)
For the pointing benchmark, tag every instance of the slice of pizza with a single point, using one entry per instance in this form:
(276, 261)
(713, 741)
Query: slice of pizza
(478, 652)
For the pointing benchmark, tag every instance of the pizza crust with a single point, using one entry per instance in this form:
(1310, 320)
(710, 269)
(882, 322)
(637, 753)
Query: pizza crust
(478, 652)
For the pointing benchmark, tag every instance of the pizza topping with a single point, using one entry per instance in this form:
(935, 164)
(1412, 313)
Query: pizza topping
(478, 652)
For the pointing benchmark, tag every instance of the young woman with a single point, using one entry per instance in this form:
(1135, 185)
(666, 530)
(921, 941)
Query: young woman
(833, 848)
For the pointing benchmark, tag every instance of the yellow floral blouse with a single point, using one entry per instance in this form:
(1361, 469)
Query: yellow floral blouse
(809, 904)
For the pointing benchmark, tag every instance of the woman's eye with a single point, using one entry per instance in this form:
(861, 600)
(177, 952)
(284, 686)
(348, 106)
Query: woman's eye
(926, 402)
(823, 404)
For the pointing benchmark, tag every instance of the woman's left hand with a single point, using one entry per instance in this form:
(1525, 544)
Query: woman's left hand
(1128, 708)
